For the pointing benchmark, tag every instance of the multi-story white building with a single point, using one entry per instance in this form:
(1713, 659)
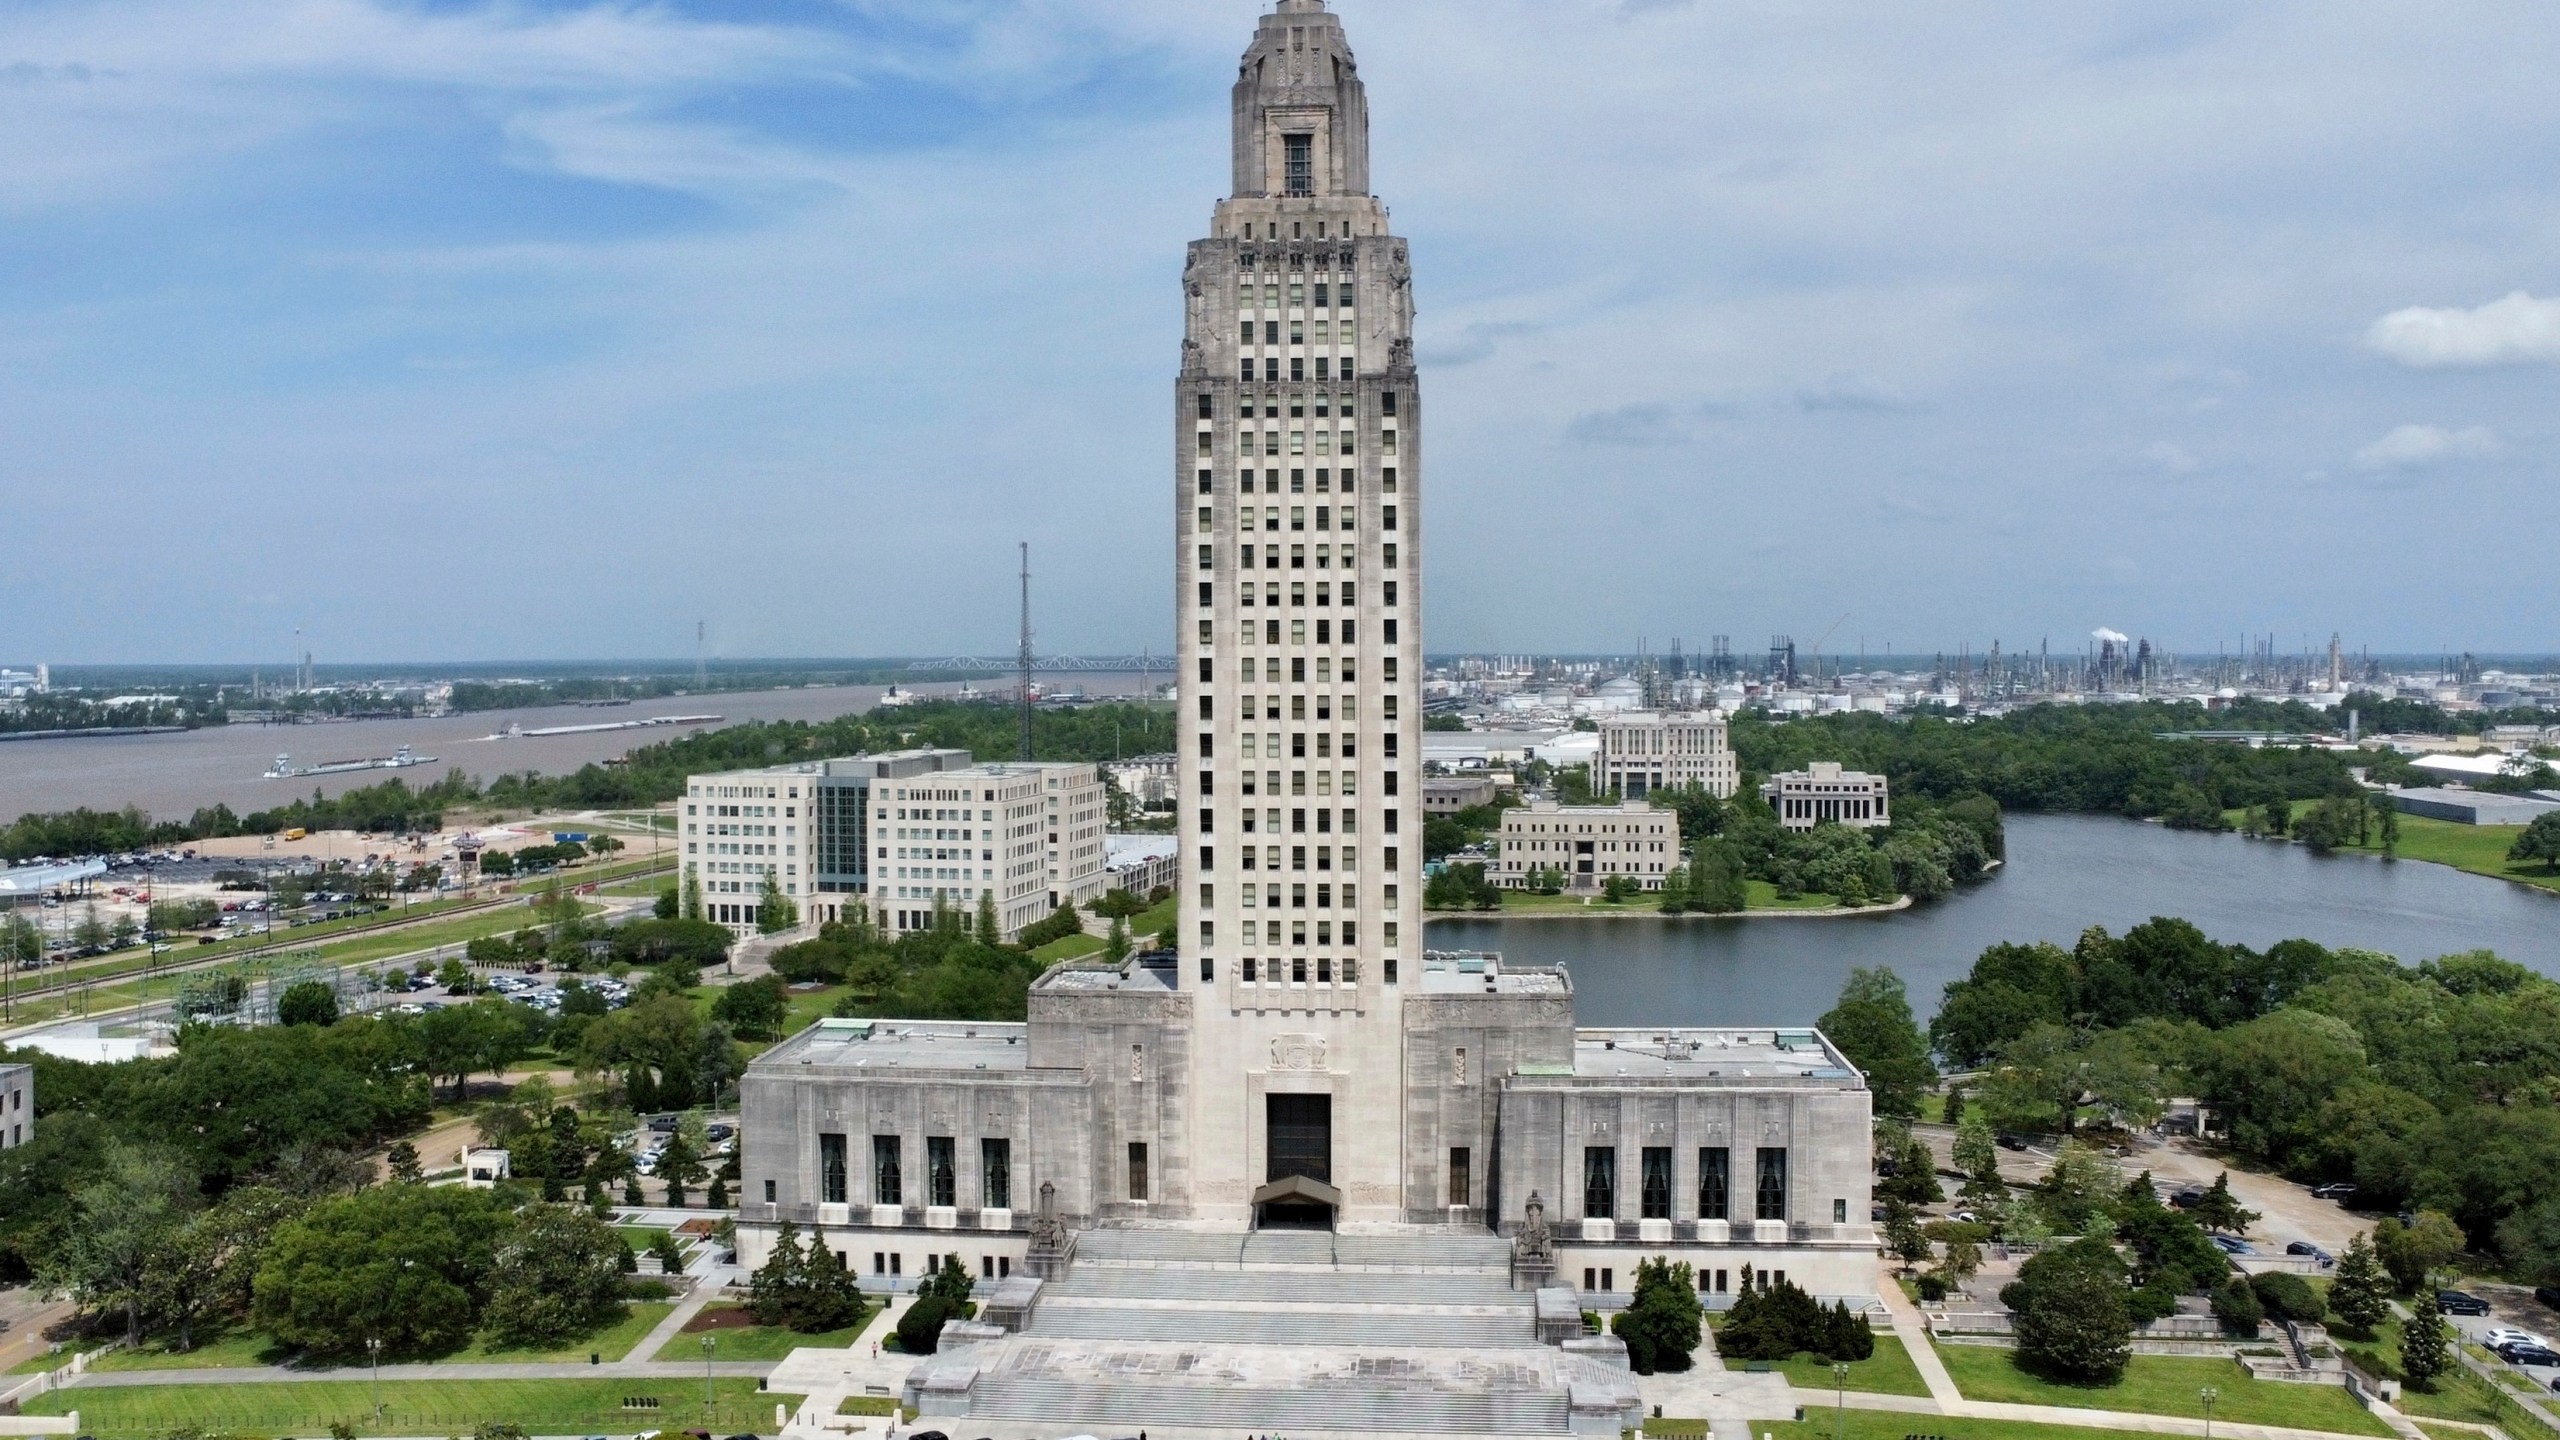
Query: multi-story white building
(1645, 751)
(739, 826)
(17, 1105)
(1028, 835)
(1587, 844)
(1806, 798)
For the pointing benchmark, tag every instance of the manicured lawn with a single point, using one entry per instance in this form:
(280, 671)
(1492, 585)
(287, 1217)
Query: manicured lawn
(1821, 1422)
(213, 1351)
(1889, 1371)
(2165, 1385)
(757, 1342)
(240, 1348)
(613, 1342)
(2480, 849)
(1068, 947)
(416, 1407)
(2459, 1394)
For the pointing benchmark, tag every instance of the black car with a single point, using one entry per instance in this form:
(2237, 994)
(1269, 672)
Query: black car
(2528, 1355)
(2338, 1190)
(2187, 1199)
(2456, 1302)
(2548, 1295)
(2012, 1142)
(2305, 1247)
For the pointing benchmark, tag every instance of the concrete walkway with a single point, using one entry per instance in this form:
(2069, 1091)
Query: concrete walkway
(1912, 1329)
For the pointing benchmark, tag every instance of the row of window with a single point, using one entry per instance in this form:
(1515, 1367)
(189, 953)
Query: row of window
(1653, 1192)
(1297, 481)
(1300, 332)
(1296, 295)
(1271, 854)
(941, 1167)
(1325, 402)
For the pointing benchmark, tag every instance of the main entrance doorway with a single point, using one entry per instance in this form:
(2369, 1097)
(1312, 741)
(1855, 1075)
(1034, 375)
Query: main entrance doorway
(1298, 1165)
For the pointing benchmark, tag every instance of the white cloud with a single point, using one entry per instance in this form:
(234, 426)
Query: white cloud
(2167, 458)
(2516, 330)
(2410, 447)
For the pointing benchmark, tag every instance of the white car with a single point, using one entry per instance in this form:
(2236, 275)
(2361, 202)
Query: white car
(2500, 1335)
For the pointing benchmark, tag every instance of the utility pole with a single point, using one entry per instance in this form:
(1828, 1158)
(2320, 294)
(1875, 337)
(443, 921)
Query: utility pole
(701, 670)
(1023, 661)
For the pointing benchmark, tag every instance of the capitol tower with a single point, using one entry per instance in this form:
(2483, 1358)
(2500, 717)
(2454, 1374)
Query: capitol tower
(1297, 551)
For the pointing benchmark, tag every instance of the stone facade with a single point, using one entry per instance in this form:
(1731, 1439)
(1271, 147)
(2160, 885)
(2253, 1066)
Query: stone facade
(1645, 751)
(1823, 791)
(1587, 844)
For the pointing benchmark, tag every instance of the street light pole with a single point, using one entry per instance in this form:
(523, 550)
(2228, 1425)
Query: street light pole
(2208, 1395)
(1840, 1398)
(373, 1348)
(707, 1342)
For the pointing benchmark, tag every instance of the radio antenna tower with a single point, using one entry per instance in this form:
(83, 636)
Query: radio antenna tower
(1023, 661)
(701, 670)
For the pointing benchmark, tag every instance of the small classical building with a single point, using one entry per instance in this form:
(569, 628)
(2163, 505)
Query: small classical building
(1644, 751)
(1588, 844)
(1806, 798)
(17, 1105)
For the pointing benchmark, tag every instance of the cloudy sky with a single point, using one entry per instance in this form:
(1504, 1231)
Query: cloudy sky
(447, 329)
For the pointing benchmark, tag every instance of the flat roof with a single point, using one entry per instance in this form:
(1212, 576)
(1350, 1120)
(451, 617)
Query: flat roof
(1137, 974)
(1481, 972)
(1709, 1054)
(853, 1045)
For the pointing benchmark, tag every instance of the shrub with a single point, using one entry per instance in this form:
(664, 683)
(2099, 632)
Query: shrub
(2236, 1306)
(1933, 1286)
(1661, 1323)
(2072, 1320)
(920, 1329)
(2289, 1297)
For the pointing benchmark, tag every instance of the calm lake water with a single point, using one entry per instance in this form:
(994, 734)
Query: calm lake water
(2065, 873)
(170, 775)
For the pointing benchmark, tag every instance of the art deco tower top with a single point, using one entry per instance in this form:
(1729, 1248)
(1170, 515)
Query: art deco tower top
(1301, 114)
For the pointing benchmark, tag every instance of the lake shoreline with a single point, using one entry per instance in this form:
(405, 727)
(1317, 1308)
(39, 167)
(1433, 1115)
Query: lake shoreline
(1827, 912)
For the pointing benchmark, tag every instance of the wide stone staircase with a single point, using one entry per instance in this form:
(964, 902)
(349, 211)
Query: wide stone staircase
(1413, 1332)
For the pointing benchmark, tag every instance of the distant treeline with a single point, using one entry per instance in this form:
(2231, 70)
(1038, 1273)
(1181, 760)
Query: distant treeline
(75, 712)
(649, 775)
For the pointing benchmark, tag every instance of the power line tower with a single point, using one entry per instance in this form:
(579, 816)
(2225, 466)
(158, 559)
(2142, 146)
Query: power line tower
(1023, 661)
(701, 668)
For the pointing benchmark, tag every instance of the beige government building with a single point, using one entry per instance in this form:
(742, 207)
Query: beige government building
(1302, 1172)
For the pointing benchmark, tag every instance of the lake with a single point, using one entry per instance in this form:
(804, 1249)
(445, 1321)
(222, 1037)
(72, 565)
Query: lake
(2065, 873)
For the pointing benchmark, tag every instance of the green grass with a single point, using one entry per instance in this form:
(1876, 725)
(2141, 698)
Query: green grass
(1889, 1371)
(415, 1407)
(246, 1348)
(1821, 1422)
(2480, 849)
(42, 1356)
(2459, 1394)
(212, 1352)
(867, 1405)
(1068, 947)
(612, 1343)
(2165, 1385)
(758, 1342)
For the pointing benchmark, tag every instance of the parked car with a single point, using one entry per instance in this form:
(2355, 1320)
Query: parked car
(2528, 1354)
(2548, 1295)
(2338, 1190)
(2012, 1142)
(664, 1124)
(2456, 1302)
(2305, 1247)
(2232, 1245)
(2499, 1336)
(2187, 1199)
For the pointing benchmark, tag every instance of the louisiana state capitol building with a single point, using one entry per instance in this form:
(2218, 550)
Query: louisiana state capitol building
(1239, 1181)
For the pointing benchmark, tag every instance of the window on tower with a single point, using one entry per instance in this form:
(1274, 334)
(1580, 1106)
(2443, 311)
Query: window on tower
(1300, 161)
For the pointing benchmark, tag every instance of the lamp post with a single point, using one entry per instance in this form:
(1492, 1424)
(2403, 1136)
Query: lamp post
(707, 1342)
(373, 1349)
(2208, 1395)
(1840, 1398)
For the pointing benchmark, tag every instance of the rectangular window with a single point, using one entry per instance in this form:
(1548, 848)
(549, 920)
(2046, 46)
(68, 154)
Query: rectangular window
(1715, 1183)
(1600, 1182)
(1299, 163)
(1137, 1170)
(831, 1166)
(995, 1167)
(1461, 1176)
(1770, 1193)
(886, 1187)
(941, 1171)
(1655, 1198)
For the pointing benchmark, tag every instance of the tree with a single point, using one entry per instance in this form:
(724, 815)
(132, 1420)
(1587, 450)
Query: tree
(691, 902)
(2425, 1350)
(2069, 1313)
(2361, 1293)
(1977, 1154)
(987, 931)
(2218, 1210)
(2540, 841)
(1872, 1025)
(775, 911)
(753, 1007)
(774, 1291)
(2410, 1252)
(669, 905)
(1662, 1321)
(679, 1165)
(556, 1276)
(403, 1264)
(1115, 945)
(121, 1233)
(920, 1329)
(2078, 1194)
(402, 1160)
(2289, 1297)
(1951, 1111)
(2237, 1307)
(308, 1002)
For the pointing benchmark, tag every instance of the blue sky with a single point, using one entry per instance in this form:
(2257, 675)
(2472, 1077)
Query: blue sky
(460, 330)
